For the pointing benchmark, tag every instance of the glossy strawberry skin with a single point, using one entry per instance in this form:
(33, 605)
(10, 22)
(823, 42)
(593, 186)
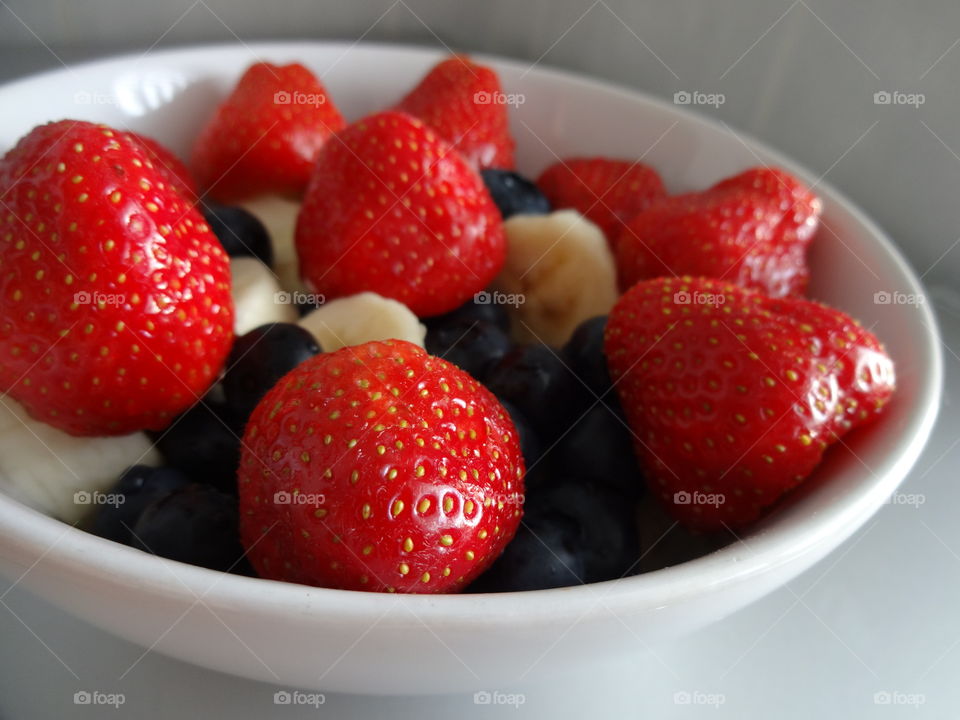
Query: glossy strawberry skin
(115, 307)
(752, 229)
(393, 209)
(464, 102)
(396, 472)
(265, 136)
(171, 167)
(607, 191)
(736, 395)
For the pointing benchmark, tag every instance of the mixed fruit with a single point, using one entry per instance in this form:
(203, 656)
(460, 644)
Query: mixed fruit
(370, 355)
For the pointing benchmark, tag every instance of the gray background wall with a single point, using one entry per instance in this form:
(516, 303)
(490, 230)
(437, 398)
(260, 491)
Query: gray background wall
(800, 74)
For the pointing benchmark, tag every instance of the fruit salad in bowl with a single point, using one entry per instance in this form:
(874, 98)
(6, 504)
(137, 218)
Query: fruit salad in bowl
(352, 352)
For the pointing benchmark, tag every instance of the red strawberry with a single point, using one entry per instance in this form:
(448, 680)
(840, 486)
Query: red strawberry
(169, 166)
(734, 396)
(752, 229)
(464, 103)
(115, 308)
(379, 467)
(393, 209)
(608, 192)
(265, 136)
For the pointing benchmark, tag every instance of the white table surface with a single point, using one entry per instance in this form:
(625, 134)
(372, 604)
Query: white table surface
(880, 615)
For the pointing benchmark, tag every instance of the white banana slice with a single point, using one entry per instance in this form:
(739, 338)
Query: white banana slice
(257, 297)
(357, 319)
(59, 474)
(279, 216)
(560, 271)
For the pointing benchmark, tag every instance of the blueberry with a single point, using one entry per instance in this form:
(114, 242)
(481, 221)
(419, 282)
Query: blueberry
(259, 359)
(139, 486)
(608, 541)
(514, 194)
(240, 232)
(584, 354)
(573, 532)
(599, 449)
(538, 475)
(530, 444)
(204, 443)
(474, 346)
(536, 380)
(542, 555)
(473, 311)
(196, 524)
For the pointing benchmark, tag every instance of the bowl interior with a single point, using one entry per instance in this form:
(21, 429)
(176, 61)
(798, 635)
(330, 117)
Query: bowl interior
(169, 95)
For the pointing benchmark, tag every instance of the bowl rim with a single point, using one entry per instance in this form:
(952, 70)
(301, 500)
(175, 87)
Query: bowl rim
(76, 552)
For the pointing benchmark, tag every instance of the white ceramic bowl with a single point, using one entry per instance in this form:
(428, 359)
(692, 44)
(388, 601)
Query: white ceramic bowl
(370, 643)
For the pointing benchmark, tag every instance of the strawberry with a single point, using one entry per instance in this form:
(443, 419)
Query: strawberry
(393, 209)
(265, 136)
(170, 167)
(115, 308)
(609, 192)
(379, 467)
(734, 396)
(464, 103)
(752, 229)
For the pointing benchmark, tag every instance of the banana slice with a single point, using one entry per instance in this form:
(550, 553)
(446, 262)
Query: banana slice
(279, 216)
(559, 271)
(257, 297)
(357, 319)
(57, 473)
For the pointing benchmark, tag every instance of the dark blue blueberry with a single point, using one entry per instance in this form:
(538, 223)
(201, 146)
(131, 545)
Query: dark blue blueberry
(139, 486)
(240, 232)
(259, 359)
(473, 311)
(204, 443)
(536, 380)
(608, 542)
(599, 449)
(196, 524)
(539, 474)
(530, 444)
(514, 194)
(584, 354)
(543, 554)
(572, 533)
(474, 346)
